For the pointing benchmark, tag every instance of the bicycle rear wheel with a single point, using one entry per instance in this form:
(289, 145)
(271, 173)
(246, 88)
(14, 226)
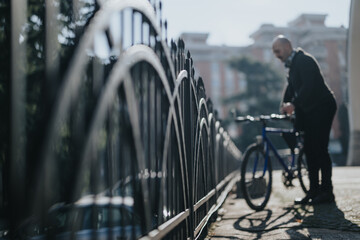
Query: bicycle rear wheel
(303, 172)
(256, 177)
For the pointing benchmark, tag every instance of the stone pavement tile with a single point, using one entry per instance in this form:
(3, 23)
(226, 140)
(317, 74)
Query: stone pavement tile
(282, 220)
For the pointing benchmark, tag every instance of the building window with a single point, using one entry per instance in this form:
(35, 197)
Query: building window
(342, 61)
(229, 81)
(215, 83)
(242, 82)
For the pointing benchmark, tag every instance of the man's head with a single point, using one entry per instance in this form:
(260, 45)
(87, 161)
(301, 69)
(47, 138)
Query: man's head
(282, 47)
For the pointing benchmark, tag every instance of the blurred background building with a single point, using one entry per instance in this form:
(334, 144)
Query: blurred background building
(211, 63)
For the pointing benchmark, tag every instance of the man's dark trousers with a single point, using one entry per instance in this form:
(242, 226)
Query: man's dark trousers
(317, 127)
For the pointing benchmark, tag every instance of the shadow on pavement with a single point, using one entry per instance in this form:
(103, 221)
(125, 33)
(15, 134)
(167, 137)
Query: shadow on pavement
(265, 221)
(294, 220)
(327, 216)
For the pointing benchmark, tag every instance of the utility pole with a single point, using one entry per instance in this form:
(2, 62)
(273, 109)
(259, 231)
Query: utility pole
(354, 83)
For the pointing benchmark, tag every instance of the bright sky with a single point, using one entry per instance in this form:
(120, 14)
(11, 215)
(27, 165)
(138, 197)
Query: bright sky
(231, 22)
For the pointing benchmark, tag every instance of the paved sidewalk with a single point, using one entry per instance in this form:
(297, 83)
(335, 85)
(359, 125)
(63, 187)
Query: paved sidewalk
(282, 220)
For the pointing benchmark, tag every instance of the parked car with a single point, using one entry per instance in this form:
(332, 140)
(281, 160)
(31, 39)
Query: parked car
(91, 217)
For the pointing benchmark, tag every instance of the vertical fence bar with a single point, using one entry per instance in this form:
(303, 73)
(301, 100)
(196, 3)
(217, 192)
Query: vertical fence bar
(18, 114)
(188, 123)
(51, 86)
(52, 47)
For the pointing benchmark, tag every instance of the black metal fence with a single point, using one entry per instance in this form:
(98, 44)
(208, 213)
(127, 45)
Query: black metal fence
(105, 133)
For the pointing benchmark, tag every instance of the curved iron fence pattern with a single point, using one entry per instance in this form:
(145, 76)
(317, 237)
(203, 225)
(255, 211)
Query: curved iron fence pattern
(130, 147)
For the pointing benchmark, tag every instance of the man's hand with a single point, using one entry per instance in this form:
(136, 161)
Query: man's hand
(288, 108)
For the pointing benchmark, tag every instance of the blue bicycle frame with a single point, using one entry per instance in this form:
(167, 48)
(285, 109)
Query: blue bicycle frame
(266, 142)
(269, 146)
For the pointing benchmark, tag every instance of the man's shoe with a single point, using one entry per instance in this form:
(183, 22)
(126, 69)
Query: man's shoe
(323, 197)
(304, 200)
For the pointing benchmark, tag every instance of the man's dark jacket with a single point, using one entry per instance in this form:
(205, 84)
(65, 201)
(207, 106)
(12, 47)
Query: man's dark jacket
(306, 87)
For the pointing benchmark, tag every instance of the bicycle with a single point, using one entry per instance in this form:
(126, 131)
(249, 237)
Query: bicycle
(256, 167)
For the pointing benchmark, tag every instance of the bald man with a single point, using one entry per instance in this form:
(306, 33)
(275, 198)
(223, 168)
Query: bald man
(308, 95)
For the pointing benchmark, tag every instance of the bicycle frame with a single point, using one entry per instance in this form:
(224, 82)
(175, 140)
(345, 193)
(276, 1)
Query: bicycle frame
(269, 146)
(266, 142)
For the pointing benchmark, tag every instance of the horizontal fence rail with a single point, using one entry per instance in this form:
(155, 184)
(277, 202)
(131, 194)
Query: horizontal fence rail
(108, 135)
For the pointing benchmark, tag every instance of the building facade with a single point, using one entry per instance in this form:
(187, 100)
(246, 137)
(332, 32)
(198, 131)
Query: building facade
(211, 63)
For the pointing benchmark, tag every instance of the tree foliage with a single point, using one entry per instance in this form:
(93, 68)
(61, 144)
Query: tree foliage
(262, 96)
(264, 86)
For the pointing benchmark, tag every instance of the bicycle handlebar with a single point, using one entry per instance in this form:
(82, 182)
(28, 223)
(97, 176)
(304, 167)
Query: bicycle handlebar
(264, 118)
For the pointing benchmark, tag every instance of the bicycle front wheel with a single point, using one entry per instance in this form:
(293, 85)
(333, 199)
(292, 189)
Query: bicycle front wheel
(256, 177)
(303, 172)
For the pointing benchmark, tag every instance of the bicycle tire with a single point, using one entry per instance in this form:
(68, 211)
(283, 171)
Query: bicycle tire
(303, 171)
(255, 185)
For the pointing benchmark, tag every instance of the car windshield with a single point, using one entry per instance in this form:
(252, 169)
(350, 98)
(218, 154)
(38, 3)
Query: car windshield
(93, 217)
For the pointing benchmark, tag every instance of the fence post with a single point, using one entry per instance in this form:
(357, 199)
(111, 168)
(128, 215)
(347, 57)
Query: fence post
(17, 114)
(189, 142)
